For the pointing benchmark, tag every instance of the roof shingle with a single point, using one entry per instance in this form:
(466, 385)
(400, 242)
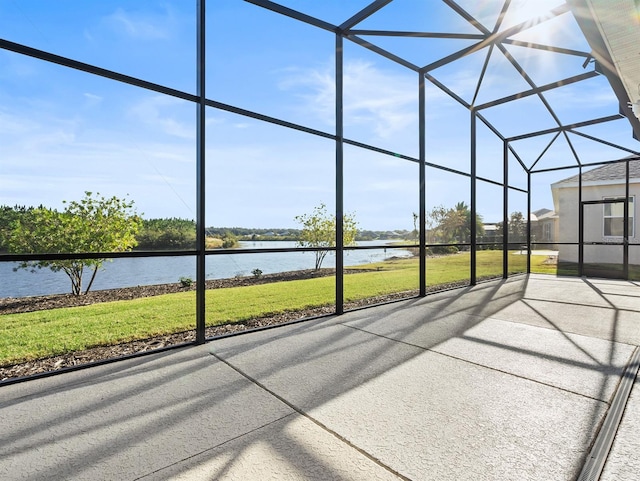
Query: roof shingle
(612, 171)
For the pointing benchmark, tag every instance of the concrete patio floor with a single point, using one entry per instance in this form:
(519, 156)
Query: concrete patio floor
(508, 380)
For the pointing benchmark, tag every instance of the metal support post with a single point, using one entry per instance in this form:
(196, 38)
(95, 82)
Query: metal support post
(505, 210)
(339, 177)
(422, 209)
(200, 177)
(473, 207)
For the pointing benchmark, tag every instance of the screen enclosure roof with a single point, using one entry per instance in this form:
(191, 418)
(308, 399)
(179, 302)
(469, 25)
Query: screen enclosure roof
(572, 64)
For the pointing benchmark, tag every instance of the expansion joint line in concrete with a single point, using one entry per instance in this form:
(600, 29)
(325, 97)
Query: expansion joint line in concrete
(594, 464)
(478, 364)
(311, 418)
(200, 453)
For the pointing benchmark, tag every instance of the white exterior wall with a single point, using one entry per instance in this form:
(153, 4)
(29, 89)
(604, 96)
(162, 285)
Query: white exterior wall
(566, 206)
(565, 203)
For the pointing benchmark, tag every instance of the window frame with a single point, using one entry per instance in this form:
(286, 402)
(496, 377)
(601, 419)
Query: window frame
(632, 217)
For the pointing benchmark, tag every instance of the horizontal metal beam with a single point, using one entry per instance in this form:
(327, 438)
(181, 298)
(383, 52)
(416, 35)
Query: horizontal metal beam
(394, 33)
(355, 143)
(267, 118)
(610, 144)
(364, 13)
(380, 51)
(591, 164)
(604, 201)
(549, 48)
(565, 127)
(455, 56)
(93, 255)
(535, 91)
(289, 12)
(428, 164)
(92, 69)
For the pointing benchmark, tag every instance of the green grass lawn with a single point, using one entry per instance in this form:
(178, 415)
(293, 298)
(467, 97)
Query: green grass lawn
(47, 333)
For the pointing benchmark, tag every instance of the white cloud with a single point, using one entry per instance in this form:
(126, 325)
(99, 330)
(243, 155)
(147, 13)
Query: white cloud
(12, 125)
(15, 66)
(148, 172)
(92, 100)
(54, 138)
(138, 25)
(462, 82)
(31, 136)
(162, 111)
(210, 120)
(87, 35)
(383, 101)
(584, 97)
(63, 157)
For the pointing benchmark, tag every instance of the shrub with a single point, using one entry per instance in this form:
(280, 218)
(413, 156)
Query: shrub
(213, 243)
(257, 273)
(444, 250)
(186, 281)
(229, 241)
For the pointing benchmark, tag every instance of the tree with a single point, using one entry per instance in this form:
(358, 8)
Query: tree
(93, 224)
(169, 233)
(415, 233)
(453, 225)
(435, 225)
(8, 215)
(517, 228)
(229, 240)
(319, 231)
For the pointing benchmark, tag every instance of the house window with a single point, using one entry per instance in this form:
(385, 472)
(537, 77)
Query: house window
(546, 231)
(614, 218)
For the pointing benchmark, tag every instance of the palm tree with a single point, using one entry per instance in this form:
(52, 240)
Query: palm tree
(462, 216)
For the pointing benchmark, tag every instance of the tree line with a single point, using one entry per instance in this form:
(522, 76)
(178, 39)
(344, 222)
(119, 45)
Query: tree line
(99, 224)
(93, 224)
(109, 224)
(150, 234)
(21, 222)
(452, 225)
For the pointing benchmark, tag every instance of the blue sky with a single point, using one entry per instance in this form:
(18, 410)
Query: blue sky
(64, 132)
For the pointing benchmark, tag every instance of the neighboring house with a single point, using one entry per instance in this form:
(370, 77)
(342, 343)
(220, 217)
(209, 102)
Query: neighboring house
(491, 231)
(544, 227)
(603, 223)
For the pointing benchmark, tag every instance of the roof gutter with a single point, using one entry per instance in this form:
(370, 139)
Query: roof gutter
(585, 17)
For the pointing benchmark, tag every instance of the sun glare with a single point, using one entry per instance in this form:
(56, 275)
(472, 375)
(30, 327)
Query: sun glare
(522, 11)
(554, 30)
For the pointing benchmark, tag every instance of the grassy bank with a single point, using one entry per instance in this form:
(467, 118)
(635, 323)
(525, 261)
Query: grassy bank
(40, 334)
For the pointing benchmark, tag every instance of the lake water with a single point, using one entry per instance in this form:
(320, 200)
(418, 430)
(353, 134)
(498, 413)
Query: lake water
(130, 272)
